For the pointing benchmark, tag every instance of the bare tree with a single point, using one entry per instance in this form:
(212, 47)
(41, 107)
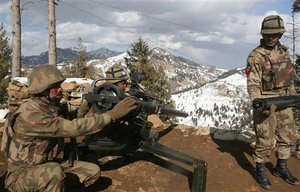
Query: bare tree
(16, 37)
(52, 33)
(295, 9)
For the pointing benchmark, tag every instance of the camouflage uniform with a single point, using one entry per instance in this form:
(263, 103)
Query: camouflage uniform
(270, 73)
(114, 75)
(34, 135)
(296, 154)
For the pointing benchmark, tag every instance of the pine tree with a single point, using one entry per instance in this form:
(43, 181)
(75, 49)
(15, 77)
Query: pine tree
(79, 67)
(154, 76)
(5, 57)
(139, 56)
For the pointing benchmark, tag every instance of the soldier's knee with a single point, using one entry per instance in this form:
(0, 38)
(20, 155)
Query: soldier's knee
(55, 172)
(95, 168)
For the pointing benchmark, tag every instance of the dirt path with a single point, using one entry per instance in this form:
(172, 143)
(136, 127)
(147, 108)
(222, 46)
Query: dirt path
(230, 168)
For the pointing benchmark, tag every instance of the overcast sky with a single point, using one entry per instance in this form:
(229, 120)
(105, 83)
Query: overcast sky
(219, 33)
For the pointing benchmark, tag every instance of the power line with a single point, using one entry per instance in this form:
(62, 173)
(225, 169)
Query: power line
(151, 17)
(115, 25)
(141, 34)
(89, 13)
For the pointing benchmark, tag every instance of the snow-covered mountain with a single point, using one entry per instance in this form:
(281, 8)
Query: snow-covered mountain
(65, 55)
(213, 97)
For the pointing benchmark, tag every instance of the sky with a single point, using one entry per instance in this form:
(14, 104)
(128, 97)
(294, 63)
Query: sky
(217, 33)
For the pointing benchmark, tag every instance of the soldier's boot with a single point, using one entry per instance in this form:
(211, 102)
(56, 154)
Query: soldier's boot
(261, 176)
(282, 171)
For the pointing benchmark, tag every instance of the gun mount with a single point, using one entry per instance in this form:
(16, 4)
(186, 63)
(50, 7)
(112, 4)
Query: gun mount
(133, 132)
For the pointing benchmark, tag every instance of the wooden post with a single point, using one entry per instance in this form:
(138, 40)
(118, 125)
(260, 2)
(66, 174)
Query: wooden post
(16, 38)
(52, 33)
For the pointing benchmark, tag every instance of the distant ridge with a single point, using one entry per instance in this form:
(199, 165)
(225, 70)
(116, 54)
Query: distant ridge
(65, 55)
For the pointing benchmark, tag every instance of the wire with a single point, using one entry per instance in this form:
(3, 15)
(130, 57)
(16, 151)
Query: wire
(139, 34)
(148, 16)
(75, 7)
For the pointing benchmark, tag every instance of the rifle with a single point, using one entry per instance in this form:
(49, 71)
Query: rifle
(139, 136)
(261, 104)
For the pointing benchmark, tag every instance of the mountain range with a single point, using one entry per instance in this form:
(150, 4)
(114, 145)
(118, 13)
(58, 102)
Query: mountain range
(213, 97)
(65, 55)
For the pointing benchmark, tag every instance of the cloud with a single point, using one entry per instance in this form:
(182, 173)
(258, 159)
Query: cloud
(166, 41)
(216, 32)
(127, 19)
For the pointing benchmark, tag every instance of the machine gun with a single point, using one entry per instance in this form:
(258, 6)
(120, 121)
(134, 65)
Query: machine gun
(261, 104)
(135, 129)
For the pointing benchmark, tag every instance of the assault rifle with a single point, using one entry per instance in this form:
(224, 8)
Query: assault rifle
(133, 132)
(261, 104)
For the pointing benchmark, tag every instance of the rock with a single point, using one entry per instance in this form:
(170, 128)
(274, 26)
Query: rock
(222, 134)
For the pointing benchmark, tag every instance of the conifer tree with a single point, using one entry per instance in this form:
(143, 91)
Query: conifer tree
(154, 76)
(79, 67)
(5, 57)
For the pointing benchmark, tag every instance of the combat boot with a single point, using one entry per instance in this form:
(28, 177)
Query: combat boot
(261, 176)
(282, 171)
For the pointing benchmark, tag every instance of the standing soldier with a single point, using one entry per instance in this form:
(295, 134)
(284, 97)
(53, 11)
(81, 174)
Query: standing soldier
(34, 135)
(270, 73)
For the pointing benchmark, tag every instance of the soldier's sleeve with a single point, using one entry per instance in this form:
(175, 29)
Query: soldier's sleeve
(45, 125)
(291, 88)
(254, 76)
(83, 109)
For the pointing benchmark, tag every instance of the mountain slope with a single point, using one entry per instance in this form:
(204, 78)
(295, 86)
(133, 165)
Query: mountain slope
(213, 97)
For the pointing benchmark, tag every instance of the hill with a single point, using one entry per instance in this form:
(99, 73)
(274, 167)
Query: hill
(213, 97)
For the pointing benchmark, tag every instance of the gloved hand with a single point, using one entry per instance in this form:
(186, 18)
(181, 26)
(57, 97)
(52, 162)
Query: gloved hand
(270, 111)
(122, 108)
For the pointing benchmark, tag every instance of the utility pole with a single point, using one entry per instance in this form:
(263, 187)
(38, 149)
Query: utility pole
(294, 37)
(51, 33)
(16, 38)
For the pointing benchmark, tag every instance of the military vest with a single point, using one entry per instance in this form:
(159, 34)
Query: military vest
(277, 68)
(24, 149)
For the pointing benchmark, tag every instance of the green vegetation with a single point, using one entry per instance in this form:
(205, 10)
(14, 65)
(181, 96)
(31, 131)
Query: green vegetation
(79, 67)
(155, 80)
(5, 58)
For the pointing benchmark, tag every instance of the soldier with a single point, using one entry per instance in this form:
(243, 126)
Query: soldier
(296, 153)
(116, 75)
(35, 132)
(270, 73)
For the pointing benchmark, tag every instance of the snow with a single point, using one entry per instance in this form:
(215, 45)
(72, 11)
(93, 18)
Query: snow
(205, 105)
(225, 92)
(3, 112)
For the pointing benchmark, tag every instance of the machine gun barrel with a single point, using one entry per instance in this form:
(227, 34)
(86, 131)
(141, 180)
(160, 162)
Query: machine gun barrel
(261, 104)
(151, 108)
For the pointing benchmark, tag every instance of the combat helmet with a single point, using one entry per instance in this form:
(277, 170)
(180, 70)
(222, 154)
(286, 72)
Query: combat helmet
(43, 77)
(116, 74)
(272, 24)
